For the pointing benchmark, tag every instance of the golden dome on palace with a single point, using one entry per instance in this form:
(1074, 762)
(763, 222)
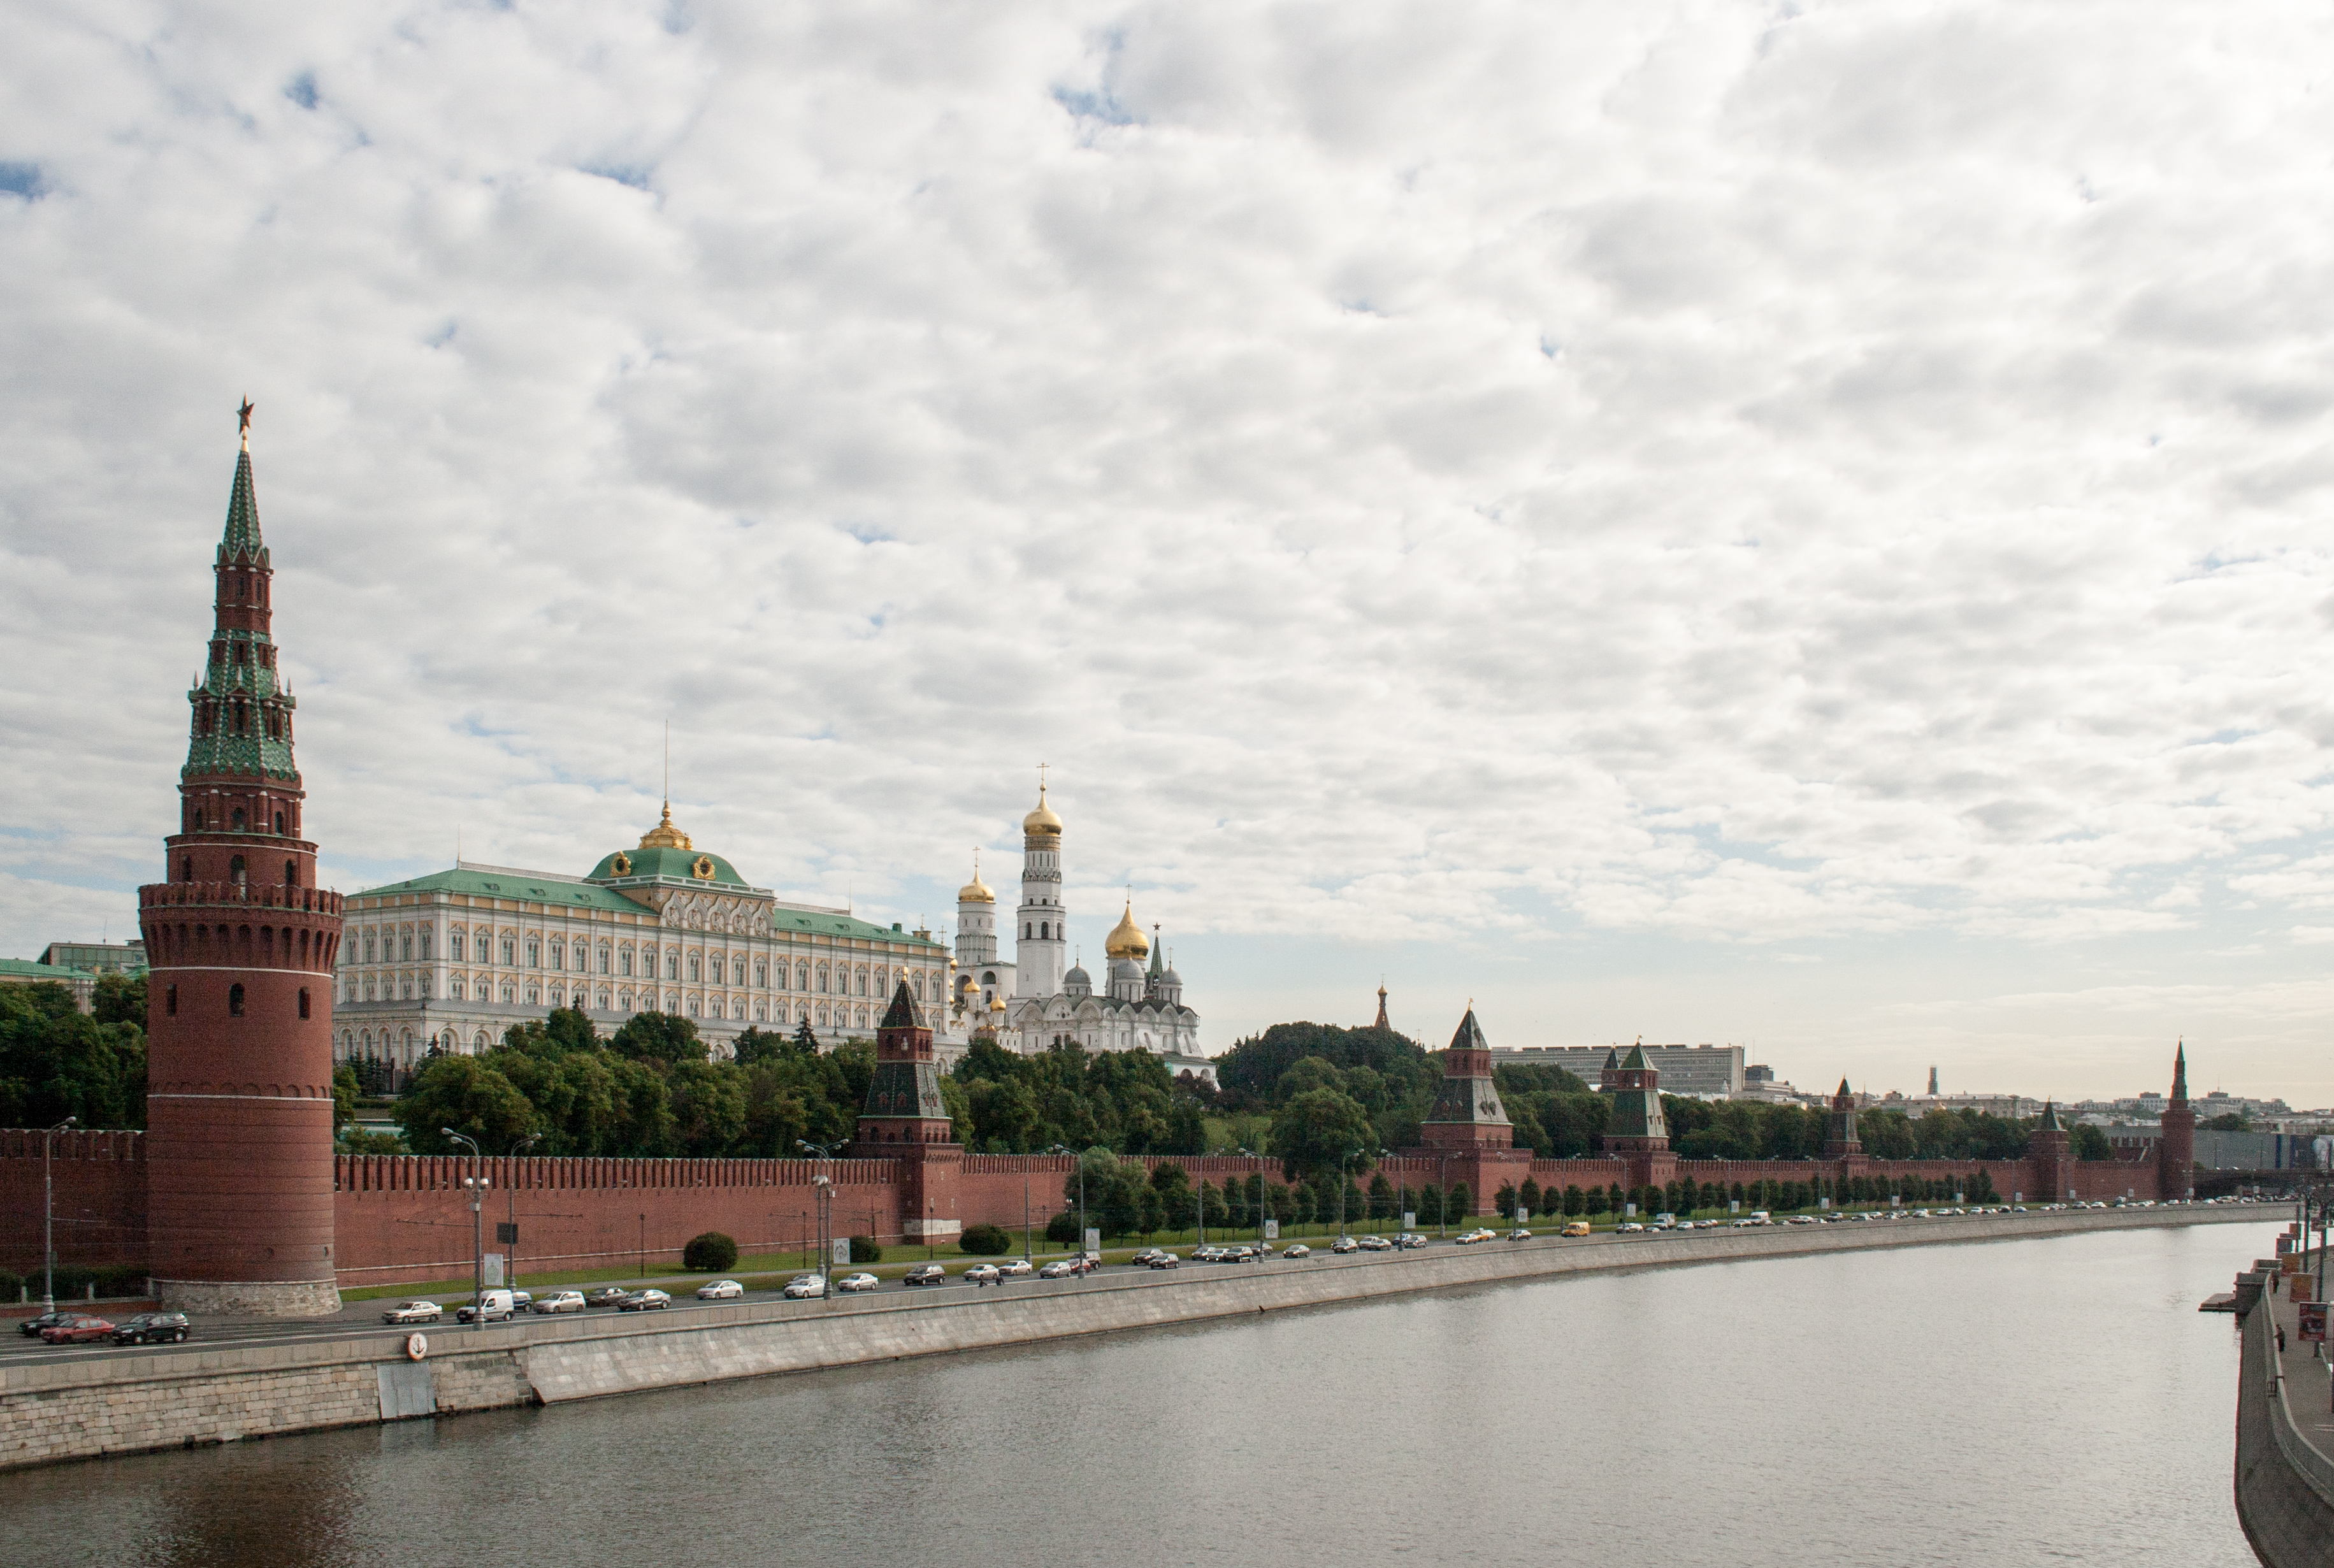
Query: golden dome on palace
(1042, 820)
(1126, 939)
(664, 835)
(976, 891)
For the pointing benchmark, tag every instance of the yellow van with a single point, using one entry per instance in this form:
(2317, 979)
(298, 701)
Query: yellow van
(1576, 1227)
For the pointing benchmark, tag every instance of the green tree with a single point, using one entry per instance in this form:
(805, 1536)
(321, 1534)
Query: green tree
(2088, 1142)
(709, 1108)
(1529, 1196)
(1314, 1131)
(120, 999)
(344, 1094)
(466, 1094)
(666, 1037)
(56, 1060)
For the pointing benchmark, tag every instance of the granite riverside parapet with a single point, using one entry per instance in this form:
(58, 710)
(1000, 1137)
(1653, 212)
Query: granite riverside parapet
(188, 1395)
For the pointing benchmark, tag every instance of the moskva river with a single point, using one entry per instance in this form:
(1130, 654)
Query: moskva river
(2047, 1401)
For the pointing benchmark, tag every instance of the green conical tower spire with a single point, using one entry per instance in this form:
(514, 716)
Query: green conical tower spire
(241, 720)
(241, 538)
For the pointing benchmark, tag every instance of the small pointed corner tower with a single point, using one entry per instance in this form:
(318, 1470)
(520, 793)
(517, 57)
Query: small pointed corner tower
(2175, 1145)
(1840, 1141)
(905, 1119)
(904, 1098)
(1467, 1111)
(1635, 1125)
(2052, 1151)
(1381, 1023)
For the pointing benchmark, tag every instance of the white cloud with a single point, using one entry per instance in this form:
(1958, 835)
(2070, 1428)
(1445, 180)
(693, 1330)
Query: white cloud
(1737, 476)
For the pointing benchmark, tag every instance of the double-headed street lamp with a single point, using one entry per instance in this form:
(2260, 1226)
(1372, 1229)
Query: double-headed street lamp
(49, 1219)
(1249, 1154)
(511, 1190)
(477, 1183)
(824, 1186)
(1058, 1149)
(1347, 1155)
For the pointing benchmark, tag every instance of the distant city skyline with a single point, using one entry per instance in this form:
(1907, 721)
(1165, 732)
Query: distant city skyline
(1720, 525)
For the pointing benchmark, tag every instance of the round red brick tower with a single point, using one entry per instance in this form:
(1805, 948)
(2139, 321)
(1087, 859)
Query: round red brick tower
(240, 996)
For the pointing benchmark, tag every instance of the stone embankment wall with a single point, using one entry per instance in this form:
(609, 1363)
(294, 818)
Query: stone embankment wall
(2284, 1485)
(52, 1410)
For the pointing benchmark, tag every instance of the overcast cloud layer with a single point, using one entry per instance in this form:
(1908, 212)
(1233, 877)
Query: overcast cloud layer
(1805, 525)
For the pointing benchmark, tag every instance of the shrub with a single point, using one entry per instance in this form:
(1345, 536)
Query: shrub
(10, 1283)
(1063, 1227)
(985, 1241)
(709, 1253)
(864, 1250)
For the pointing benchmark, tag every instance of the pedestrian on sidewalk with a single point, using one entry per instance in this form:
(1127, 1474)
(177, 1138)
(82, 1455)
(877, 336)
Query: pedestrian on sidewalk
(2280, 1339)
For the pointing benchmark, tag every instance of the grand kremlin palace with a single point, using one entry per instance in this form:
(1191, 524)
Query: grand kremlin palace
(455, 958)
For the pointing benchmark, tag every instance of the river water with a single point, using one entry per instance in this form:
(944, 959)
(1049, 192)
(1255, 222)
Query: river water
(2046, 1401)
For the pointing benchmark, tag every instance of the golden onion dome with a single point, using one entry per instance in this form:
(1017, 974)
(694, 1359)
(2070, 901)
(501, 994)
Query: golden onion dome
(997, 1003)
(976, 891)
(1126, 939)
(1042, 821)
(664, 835)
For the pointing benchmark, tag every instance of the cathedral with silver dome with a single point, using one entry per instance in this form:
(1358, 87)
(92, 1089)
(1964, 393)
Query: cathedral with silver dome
(1031, 1002)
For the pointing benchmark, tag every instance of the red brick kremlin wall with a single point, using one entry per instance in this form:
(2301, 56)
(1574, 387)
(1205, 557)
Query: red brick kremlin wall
(404, 1217)
(101, 1199)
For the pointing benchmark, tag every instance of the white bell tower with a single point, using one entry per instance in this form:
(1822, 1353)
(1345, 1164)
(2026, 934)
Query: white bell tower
(1040, 942)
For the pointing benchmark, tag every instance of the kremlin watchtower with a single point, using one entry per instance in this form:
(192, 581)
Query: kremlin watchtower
(906, 1119)
(239, 998)
(2175, 1158)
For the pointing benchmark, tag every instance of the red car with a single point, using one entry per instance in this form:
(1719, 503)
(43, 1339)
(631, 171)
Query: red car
(79, 1331)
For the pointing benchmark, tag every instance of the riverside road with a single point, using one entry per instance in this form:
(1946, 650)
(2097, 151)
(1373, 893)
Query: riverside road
(361, 1320)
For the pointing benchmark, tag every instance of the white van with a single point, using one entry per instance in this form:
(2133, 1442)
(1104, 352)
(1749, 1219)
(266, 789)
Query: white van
(1761, 1217)
(494, 1307)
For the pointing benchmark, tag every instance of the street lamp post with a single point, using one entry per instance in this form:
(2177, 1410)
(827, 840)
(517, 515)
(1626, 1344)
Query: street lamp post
(1348, 1154)
(1246, 1154)
(477, 1182)
(49, 1218)
(824, 1184)
(510, 1189)
(1058, 1149)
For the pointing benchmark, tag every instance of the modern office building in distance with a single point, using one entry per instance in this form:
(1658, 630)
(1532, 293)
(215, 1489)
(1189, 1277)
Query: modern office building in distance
(1704, 1072)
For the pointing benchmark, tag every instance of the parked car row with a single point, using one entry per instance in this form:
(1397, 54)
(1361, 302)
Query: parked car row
(496, 1307)
(75, 1328)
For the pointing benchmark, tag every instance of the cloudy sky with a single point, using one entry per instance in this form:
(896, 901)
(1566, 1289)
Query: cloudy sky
(1798, 525)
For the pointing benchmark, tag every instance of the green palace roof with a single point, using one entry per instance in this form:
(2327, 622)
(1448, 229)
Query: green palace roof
(32, 969)
(497, 884)
(784, 922)
(677, 864)
(510, 885)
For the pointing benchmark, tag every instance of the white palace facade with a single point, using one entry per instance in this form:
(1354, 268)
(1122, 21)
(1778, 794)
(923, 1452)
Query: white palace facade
(454, 958)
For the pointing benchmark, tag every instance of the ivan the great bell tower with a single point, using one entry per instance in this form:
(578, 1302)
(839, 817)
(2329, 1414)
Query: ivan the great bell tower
(239, 997)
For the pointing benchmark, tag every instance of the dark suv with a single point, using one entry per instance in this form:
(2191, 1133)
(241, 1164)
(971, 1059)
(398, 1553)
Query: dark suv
(926, 1273)
(151, 1329)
